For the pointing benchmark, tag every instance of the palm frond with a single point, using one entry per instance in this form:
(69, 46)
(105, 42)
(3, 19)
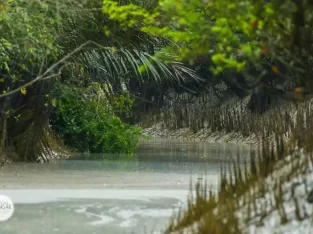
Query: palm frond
(122, 63)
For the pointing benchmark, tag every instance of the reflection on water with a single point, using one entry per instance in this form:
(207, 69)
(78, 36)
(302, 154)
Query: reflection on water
(99, 193)
(175, 151)
(166, 157)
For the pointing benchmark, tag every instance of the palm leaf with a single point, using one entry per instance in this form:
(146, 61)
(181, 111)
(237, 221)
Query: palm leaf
(111, 64)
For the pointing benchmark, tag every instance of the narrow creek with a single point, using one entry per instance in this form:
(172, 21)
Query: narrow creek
(115, 194)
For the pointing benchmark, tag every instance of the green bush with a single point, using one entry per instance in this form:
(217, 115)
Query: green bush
(85, 122)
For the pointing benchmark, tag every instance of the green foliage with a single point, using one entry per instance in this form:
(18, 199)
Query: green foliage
(232, 33)
(122, 104)
(27, 38)
(46, 43)
(85, 122)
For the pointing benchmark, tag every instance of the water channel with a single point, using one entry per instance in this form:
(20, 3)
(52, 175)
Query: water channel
(111, 194)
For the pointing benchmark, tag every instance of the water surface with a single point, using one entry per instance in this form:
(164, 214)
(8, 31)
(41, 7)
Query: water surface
(115, 194)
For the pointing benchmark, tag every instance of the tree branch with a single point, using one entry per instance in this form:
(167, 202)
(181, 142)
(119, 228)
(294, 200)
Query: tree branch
(45, 75)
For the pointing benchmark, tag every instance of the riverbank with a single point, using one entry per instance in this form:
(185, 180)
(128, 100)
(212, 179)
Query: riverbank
(204, 135)
(275, 194)
(280, 203)
(57, 151)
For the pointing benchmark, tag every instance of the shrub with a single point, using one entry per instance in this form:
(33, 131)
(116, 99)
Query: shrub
(85, 122)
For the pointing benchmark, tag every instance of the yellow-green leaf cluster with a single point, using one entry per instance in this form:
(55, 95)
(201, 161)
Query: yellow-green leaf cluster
(231, 32)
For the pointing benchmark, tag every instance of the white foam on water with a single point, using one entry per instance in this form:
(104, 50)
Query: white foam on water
(113, 209)
(128, 223)
(101, 219)
(153, 213)
(81, 210)
(104, 220)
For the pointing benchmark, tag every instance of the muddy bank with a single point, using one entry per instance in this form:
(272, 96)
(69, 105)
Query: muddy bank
(277, 195)
(232, 125)
(206, 135)
(55, 154)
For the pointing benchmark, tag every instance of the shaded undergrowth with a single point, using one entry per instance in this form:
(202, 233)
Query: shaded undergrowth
(248, 194)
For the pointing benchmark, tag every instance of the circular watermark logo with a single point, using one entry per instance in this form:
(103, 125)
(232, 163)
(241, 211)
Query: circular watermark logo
(6, 208)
